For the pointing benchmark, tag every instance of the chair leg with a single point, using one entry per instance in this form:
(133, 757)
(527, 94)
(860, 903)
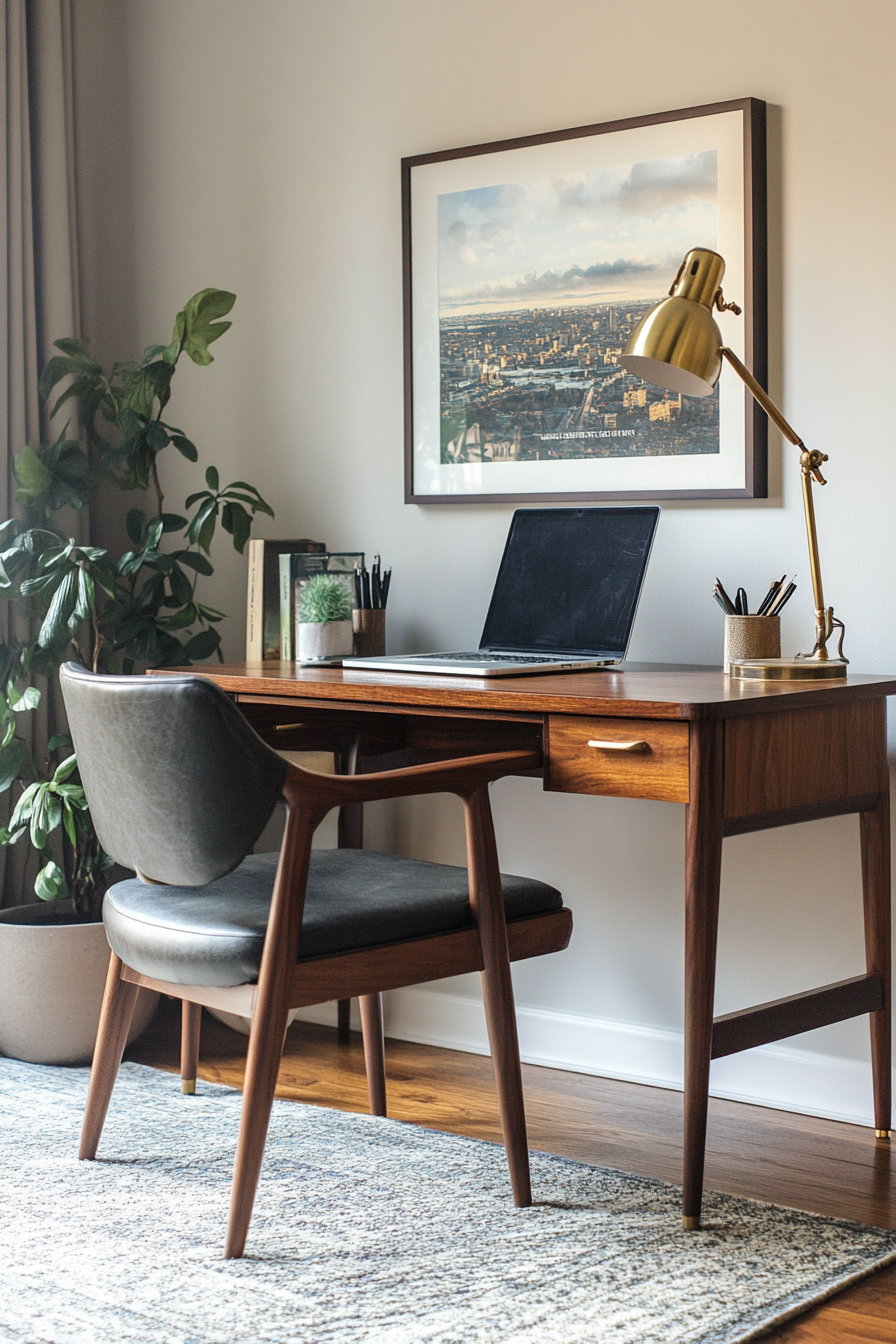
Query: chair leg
(271, 1014)
(115, 1020)
(487, 900)
(374, 1053)
(262, 1067)
(343, 1021)
(191, 1021)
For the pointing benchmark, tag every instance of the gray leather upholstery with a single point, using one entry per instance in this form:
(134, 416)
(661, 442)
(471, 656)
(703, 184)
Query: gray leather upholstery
(356, 898)
(179, 786)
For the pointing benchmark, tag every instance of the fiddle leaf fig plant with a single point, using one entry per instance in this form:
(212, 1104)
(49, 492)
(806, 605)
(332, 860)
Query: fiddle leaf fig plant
(70, 600)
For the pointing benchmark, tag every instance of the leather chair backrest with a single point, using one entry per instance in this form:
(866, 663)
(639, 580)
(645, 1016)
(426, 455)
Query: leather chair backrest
(179, 786)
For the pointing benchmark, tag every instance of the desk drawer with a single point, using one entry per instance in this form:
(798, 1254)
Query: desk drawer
(656, 766)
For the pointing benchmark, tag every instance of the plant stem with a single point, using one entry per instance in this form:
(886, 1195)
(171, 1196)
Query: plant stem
(154, 479)
(98, 638)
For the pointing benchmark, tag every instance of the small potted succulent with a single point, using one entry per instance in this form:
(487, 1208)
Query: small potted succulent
(324, 619)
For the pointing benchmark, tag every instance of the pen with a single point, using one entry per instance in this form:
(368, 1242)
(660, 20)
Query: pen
(359, 601)
(375, 581)
(771, 595)
(780, 601)
(365, 588)
(725, 598)
(742, 606)
(721, 601)
(384, 591)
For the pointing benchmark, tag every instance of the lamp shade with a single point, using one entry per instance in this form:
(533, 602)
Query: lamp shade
(677, 345)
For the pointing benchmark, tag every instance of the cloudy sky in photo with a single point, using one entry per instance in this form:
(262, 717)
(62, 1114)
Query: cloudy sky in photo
(602, 236)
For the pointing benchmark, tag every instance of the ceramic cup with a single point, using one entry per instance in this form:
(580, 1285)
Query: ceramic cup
(324, 639)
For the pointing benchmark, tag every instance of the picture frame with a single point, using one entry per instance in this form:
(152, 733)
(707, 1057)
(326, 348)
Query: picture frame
(527, 262)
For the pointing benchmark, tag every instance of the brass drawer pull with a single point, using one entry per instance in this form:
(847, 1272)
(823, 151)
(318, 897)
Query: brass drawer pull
(639, 745)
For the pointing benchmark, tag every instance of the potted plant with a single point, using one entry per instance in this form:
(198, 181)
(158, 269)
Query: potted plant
(125, 613)
(324, 619)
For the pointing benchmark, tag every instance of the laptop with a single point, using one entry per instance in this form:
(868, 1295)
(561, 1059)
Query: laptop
(564, 600)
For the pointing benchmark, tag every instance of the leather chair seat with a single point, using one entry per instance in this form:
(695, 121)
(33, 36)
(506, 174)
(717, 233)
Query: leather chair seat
(356, 898)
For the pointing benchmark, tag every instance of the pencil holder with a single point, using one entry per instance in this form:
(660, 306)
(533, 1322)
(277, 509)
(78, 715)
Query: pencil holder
(751, 637)
(370, 632)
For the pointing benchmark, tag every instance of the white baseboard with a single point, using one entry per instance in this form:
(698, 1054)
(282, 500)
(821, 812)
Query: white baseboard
(771, 1075)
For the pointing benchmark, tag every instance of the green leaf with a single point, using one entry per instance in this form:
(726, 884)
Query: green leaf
(78, 351)
(182, 619)
(31, 475)
(207, 531)
(59, 740)
(15, 761)
(52, 811)
(195, 560)
(212, 479)
(202, 645)
(50, 884)
(209, 613)
(236, 520)
(254, 499)
(173, 522)
(136, 525)
(181, 588)
(205, 511)
(67, 768)
(59, 367)
(68, 822)
(82, 390)
(196, 326)
(54, 628)
(156, 436)
(183, 445)
(29, 699)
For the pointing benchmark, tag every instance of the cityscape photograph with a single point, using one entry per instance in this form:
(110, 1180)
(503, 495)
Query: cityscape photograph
(540, 286)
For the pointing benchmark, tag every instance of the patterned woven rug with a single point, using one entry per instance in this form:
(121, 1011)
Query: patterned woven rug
(368, 1230)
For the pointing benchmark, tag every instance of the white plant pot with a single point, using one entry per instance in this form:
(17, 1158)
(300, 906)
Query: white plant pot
(326, 639)
(52, 976)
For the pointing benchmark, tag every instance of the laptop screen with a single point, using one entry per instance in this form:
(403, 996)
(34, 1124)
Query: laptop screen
(569, 580)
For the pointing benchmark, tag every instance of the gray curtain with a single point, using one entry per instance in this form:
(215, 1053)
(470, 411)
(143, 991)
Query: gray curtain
(41, 294)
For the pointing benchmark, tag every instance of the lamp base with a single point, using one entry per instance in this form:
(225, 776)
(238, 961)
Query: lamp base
(788, 669)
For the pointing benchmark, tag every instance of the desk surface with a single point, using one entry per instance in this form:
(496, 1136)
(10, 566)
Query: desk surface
(657, 691)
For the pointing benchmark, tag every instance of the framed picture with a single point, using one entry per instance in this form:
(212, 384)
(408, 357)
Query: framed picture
(528, 263)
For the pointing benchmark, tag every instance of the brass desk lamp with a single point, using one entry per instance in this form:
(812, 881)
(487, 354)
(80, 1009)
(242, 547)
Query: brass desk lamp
(678, 346)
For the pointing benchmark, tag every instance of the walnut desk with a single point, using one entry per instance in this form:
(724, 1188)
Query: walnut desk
(743, 756)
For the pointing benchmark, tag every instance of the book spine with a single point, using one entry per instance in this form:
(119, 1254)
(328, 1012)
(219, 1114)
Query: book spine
(286, 620)
(255, 603)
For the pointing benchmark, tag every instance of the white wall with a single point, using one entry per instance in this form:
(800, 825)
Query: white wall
(264, 144)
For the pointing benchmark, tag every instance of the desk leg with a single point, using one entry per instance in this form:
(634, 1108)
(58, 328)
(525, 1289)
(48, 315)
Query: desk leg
(875, 841)
(703, 871)
(351, 836)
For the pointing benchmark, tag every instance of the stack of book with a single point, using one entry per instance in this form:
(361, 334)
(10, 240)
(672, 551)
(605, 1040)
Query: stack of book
(263, 604)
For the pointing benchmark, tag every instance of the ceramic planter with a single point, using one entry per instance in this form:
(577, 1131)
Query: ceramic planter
(326, 639)
(52, 975)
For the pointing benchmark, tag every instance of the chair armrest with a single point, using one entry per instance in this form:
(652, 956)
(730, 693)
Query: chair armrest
(462, 776)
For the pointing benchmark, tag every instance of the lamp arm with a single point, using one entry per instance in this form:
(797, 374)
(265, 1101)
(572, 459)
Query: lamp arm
(810, 464)
(762, 397)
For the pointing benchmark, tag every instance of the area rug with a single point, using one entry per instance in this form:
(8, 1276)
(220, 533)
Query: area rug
(368, 1230)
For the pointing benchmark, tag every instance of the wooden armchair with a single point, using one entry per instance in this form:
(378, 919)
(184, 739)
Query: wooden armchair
(180, 788)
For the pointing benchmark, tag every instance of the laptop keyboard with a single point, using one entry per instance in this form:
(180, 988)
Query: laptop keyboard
(493, 658)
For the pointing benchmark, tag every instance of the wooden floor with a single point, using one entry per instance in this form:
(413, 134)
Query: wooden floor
(817, 1165)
